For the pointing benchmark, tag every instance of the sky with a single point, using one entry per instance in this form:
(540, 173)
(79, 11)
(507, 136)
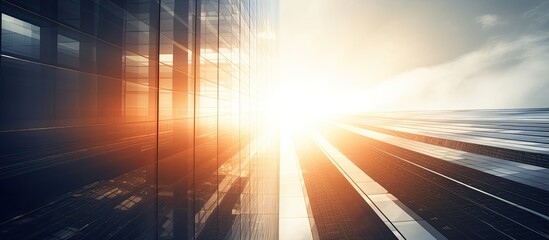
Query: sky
(386, 55)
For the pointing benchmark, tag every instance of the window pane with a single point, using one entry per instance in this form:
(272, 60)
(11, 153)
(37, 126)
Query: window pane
(20, 37)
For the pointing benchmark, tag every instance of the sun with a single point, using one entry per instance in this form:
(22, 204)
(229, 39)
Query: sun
(299, 106)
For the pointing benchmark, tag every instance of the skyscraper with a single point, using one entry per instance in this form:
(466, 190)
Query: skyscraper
(140, 119)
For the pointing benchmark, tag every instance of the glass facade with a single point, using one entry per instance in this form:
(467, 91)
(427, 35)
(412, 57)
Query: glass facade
(138, 119)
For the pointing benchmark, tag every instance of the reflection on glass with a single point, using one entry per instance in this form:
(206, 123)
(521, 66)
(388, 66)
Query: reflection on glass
(68, 51)
(20, 37)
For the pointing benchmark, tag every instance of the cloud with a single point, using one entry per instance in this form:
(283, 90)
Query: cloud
(510, 74)
(488, 20)
(539, 15)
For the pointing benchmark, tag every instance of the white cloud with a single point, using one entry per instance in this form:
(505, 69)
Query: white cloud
(488, 20)
(501, 75)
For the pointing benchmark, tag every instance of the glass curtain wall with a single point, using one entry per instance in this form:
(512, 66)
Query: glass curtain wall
(137, 119)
